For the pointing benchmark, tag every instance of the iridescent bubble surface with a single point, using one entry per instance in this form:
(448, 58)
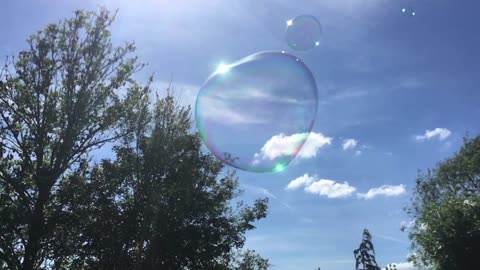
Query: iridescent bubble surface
(256, 113)
(303, 33)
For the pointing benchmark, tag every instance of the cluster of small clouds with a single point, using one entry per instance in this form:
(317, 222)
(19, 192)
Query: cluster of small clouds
(352, 144)
(333, 189)
(284, 145)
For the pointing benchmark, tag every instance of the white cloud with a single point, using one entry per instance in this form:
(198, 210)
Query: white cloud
(358, 153)
(285, 145)
(385, 190)
(405, 266)
(330, 188)
(349, 144)
(323, 187)
(440, 133)
(304, 180)
(314, 142)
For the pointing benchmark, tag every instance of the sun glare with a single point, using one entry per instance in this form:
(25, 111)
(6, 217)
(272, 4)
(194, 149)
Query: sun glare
(222, 68)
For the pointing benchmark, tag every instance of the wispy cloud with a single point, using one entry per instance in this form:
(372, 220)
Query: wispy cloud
(285, 145)
(348, 94)
(389, 238)
(287, 205)
(385, 190)
(185, 93)
(304, 180)
(306, 220)
(349, 144)
(256, 94)
(212, 108)
(257, 190)
(217, 110)
(438, 133)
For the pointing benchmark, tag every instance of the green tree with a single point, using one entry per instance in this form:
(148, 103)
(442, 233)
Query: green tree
(249, 260)
(70, 92)
(446, 212)
(161, 204)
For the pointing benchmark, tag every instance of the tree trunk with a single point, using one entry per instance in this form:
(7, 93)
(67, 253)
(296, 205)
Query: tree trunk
(35, 229)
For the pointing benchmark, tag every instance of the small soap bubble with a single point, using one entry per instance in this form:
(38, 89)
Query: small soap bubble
(303, 33)
(409, 11)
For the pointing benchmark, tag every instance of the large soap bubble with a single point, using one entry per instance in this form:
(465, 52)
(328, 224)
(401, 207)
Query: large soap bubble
(303, 33)
(255, 114)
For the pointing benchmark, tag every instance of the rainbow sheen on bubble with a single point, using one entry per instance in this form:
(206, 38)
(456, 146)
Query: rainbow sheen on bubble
(304, 33)
(255, 114)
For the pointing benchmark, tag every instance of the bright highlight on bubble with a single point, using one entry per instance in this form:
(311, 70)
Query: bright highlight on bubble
(409, 11)
(279, 168)
(247, 112)
(222, 68)
(303, 33)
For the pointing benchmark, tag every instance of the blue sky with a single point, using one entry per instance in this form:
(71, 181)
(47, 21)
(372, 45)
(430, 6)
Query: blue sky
(403, 89)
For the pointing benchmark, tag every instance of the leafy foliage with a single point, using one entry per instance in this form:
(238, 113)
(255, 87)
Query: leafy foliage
(161, 204)
(249, 260)
(446, 211)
